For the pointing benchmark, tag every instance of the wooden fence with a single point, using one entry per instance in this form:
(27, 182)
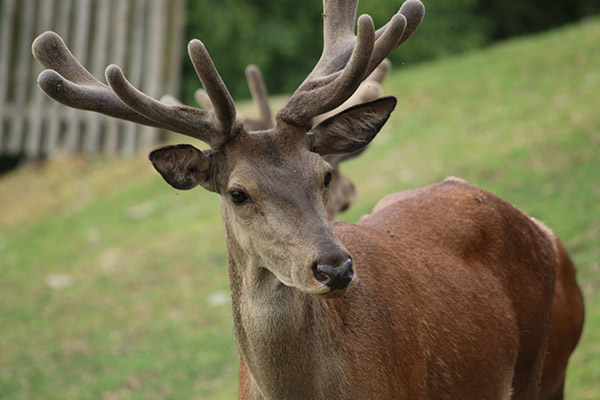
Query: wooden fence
(144, 37)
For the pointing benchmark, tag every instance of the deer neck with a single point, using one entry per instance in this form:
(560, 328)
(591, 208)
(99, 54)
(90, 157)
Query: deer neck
(282, 332)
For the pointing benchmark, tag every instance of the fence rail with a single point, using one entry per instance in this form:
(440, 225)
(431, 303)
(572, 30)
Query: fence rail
(144, 37)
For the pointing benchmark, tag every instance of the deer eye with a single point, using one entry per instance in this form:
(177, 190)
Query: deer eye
(327, 181)
(238, 196)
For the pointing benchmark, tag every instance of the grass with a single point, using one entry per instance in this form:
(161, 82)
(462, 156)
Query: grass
(114, 286)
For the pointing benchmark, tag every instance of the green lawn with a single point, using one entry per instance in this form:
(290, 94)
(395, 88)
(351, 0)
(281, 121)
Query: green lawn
(114, 286)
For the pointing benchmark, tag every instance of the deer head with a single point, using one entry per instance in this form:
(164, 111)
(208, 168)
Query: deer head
(341, 189)
(273, 183)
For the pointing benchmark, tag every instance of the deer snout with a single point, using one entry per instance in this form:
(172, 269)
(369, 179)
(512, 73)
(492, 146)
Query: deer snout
(334, 277)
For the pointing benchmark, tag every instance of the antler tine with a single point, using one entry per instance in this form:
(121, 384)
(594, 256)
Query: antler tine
(388, 40)
(170, 99)
(379, 74)
(52, 52)
(338, 23)
(258, 90)
(202, 98)
(347, 59)
(414, 11)
(223, 106)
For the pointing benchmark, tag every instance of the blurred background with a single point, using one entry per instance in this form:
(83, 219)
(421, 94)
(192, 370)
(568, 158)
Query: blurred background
(114, 285)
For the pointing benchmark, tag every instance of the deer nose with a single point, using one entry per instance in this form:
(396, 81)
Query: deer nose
(335, 278)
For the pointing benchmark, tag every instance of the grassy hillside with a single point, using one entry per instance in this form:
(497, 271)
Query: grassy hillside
(114, 286)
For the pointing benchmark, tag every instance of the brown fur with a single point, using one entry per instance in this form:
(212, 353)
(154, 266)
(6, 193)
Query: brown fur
(567, 312)
(430, 317)
(566, 327)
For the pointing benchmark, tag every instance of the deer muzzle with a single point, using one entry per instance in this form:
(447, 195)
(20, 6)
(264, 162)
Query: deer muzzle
(335, 277)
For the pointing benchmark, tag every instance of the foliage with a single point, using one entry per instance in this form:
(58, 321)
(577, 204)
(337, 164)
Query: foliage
(114, 286)
(449, 27)
(284, 37)
(284, 42)
(513, 18)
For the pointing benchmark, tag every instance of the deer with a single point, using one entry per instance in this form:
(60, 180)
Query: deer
(568, 307)
(442, 292)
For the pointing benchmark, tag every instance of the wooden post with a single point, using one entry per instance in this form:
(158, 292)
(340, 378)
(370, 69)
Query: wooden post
(51, 145)
(17, 129)
(135, 71)
(142, 36)
(174, 53)
(118, 55)
(154, 63)
(38, 103)
(98, 58)
(80, 50)
(8, 17)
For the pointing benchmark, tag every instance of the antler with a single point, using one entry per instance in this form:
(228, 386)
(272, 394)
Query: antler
(380, 72)
(68, 82)
(258, 90)
(369, 89)
(347, 59)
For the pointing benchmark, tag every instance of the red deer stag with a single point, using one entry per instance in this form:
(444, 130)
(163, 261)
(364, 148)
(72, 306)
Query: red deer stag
(456, 285)
(568, 309)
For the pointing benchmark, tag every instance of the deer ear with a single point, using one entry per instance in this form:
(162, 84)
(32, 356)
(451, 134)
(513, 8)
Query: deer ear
(351, 129)
(183, 166)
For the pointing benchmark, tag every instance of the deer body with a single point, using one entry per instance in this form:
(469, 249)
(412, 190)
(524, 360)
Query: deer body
(424, 321)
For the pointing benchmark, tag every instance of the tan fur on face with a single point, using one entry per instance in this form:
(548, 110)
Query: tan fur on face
(285, 199)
